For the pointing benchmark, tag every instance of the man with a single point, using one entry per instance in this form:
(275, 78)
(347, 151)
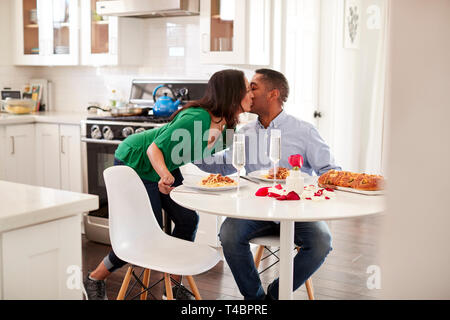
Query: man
(270, 89)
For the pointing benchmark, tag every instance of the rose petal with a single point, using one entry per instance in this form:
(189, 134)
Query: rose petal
(281, 198)
(292, 196)
(273, 195)
(278, 186)
(262, 192)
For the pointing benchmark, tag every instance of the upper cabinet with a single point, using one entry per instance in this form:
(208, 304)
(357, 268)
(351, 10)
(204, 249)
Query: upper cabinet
(235, 31)
(46, 32)
(109, 40)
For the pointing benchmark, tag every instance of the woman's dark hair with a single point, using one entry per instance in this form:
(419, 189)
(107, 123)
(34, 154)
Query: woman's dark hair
(223, 96)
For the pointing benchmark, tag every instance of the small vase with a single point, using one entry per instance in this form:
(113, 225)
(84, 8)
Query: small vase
(295, 182)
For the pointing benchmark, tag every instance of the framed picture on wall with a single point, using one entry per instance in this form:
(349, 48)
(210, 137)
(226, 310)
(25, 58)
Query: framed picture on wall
(352, 24)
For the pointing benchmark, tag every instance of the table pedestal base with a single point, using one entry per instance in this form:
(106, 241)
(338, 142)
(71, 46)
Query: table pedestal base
(286, 278)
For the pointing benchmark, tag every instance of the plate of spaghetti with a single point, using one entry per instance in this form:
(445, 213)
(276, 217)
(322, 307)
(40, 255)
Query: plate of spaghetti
(215, 181)
(267, 175)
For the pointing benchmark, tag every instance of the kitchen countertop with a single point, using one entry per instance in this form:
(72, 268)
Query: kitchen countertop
(25, 205)
(43, 117)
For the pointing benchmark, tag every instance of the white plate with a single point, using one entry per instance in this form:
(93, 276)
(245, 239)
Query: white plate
(193, 182)
(366, 192)
(259, 174)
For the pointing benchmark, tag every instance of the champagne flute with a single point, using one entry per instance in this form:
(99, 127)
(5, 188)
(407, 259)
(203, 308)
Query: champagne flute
(275, 150)
(238, 155)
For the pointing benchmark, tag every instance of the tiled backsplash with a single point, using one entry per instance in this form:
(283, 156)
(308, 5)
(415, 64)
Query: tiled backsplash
(74, 87)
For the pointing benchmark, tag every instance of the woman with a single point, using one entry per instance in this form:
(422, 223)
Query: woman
(155, 155)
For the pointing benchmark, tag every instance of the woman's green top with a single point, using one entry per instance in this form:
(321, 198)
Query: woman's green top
(183, 140)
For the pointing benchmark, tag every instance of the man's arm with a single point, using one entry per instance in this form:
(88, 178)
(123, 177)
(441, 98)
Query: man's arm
(218, 163)
(319, 154)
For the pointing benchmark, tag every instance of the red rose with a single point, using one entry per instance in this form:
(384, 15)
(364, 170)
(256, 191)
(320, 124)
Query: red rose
(296, 160)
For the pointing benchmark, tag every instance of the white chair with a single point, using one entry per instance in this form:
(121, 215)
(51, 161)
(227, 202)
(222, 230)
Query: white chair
(137, 238)
(274, 241)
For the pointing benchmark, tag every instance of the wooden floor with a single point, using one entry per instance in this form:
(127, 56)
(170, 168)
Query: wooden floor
(342, 276)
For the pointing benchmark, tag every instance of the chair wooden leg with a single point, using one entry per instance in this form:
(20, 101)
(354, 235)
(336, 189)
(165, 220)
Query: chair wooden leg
(125, 283)
(258, 256)
(146, 282)
(309, 289)
(308, 284)
(169, 293)
(194, 288)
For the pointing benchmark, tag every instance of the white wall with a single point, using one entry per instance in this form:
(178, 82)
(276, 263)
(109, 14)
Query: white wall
(347, 83)
(415, 241)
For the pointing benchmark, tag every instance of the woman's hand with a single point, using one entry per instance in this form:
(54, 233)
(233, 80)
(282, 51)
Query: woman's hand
(165, 184)
(157, 160)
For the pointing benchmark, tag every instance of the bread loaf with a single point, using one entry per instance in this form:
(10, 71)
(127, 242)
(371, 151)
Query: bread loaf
(359, 181)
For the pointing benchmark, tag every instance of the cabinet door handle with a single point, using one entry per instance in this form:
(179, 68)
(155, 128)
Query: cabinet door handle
(61, 144)
(12, 145)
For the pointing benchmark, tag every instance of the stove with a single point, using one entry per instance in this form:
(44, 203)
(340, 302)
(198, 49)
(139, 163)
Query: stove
(148, 118)
(102, 135)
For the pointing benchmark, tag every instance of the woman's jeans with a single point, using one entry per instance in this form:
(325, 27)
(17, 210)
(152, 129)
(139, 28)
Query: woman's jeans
(314, 238)
(185, 220)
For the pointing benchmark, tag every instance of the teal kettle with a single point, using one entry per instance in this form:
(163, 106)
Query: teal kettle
(164, 105)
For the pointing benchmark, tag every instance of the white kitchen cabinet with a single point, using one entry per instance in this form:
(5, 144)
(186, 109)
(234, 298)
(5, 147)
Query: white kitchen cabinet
(46, 32)
(47, 155)
(40, 261)
(109, 40)
(19, 153)
(235, 31)
(58, 156)
(2, 152)
(70, 156)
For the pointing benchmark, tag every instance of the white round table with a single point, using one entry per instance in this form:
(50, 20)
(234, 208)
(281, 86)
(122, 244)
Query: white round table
(248, 206)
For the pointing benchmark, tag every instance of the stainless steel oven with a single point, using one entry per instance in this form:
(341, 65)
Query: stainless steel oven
(102, 138)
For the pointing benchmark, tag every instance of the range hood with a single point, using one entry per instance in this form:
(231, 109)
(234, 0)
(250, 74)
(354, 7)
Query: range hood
(148, 8)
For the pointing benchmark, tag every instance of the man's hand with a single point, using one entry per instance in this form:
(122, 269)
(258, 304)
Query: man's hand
(165, 184)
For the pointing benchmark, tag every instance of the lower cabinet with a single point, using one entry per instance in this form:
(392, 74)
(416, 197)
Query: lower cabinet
(43, 154)
(54, 251)
(58, 156)
(71, 169)
(18, 150)
(47, 156)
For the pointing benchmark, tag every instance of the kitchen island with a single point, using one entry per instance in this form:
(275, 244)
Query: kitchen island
(40, 241)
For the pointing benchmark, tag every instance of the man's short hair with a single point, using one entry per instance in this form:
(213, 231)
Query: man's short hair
(275, 80)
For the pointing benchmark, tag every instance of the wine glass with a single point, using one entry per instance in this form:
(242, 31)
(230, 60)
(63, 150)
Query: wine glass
(238, 155)
(275, 150)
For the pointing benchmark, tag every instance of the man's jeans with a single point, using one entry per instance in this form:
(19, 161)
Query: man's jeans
(314, 238)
